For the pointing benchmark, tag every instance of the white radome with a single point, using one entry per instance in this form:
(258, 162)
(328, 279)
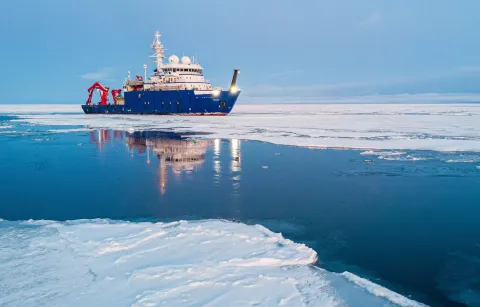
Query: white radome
(173, 59)
(186, 60)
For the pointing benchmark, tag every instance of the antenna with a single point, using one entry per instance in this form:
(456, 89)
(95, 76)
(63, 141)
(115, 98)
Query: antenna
(145, 68)
(159, 51)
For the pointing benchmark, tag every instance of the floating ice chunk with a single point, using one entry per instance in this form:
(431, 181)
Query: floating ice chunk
(6, 127)
(68, 130)
(402, 158)
(382, 153)
(265, 166)
(462, 160)
(109, 263)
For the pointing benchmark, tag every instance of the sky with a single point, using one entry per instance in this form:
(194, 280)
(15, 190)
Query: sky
(294, 51)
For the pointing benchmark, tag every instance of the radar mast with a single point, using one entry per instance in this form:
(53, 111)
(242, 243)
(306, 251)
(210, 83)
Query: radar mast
(159, 51)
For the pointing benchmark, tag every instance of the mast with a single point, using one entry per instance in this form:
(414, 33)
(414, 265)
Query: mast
(159, 51)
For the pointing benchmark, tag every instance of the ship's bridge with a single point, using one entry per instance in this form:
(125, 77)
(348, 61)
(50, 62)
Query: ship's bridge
(176, 74)
(183, 69)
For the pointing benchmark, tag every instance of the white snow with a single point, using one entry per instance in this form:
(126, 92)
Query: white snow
(454, 127)
(198, 263)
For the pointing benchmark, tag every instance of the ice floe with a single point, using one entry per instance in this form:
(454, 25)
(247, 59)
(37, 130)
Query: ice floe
(463, 160)
(197, 263)
(382, 153)
(403, 158)
(376, 126)
(39, 108)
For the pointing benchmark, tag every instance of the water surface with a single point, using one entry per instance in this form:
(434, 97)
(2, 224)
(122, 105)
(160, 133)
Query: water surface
(407, 220)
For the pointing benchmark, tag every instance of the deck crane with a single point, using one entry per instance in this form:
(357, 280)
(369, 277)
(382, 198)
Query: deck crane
(103, 93)
(115, 94)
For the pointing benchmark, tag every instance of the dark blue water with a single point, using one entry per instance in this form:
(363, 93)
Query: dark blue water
(412, 226)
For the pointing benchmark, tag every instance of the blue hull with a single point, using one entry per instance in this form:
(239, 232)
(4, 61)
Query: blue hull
(182, 102)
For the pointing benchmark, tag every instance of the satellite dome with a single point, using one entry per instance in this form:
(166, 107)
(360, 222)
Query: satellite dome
(173, 59)
(186, 60)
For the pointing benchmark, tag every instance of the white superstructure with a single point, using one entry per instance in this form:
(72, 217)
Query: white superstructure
(176, 74)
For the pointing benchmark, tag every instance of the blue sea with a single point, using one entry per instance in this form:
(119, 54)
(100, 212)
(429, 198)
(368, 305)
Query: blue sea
(404, 219)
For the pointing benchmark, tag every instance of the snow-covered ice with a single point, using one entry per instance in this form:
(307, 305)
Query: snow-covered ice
(39, 108)
(382, 153)
(454, 127)
(197, 263)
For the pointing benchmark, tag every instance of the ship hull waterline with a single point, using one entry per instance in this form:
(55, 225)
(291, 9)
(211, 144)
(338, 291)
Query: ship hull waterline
(181, 102)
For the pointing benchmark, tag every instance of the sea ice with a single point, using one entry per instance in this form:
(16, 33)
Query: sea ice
(198, 263)
(382, 153)
(441, 127)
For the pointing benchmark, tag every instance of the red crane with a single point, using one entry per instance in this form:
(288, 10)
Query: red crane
(103, 93)
(115, 94)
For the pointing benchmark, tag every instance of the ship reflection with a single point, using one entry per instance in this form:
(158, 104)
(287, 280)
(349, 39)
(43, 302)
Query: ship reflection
(176, 154)
(102, 136)
(173, 151)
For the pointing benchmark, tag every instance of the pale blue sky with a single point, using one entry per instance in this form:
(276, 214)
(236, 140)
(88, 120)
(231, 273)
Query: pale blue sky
(52, 51)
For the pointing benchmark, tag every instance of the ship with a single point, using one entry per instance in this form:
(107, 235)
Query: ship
(177, 87)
